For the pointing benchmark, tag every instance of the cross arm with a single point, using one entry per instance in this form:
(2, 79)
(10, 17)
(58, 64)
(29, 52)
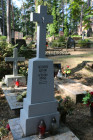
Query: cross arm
(35, 17)
(9, 59)
(21, 59)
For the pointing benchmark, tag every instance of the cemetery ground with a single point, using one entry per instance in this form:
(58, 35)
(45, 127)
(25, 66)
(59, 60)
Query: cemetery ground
(80, 121)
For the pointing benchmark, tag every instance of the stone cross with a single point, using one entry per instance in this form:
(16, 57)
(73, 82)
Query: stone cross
(42, 19)
(15, 59)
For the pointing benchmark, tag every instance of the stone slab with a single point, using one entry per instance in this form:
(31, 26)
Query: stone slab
(64, 133)
(11, 94)
(11, 79)
(68, 87)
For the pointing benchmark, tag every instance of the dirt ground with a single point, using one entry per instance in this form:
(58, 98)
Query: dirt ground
(80, 121)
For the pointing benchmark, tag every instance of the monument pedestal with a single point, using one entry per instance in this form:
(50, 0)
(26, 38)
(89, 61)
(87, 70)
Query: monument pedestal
(40, 103)
(11, 79)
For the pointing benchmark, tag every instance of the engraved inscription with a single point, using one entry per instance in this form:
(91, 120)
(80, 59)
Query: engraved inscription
(42, 70)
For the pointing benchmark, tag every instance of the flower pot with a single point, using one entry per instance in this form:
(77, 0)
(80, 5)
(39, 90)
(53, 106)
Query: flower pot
(91, 111)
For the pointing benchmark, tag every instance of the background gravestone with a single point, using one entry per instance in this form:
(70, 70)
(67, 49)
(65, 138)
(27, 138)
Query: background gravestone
(70, 43)
(20, 42)
(11, 79)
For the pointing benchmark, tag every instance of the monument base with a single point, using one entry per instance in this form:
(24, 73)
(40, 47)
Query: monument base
(11, 79)
(63, 132)
(31, 115)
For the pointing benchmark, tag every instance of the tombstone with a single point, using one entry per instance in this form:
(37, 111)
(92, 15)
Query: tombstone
(20, 42)
(40, 103)
(70, 43)
(11, 79)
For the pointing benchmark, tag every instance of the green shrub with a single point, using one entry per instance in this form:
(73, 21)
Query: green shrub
(65, 105)
(84, 43)
(31, 45)
(5, 69)
(61, 39)
(3, 45)
(23, 71)
(2, 38)
(6, 49)
(58, 42)
(76, 36)
(27, 53)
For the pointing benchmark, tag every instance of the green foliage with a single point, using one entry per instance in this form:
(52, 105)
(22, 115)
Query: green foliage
(66, 70)
(61, 39)
(58, 44)
(24, 94)
(2, 38)
(84, 43)
(23, 70)
(66, 27)
(27, 53)
(21, 96)
(3, 130)
(88, 13)
(75, 36)
(5, 69)
(75, 9)
(53, 28)
(88, 99)
(6, 50)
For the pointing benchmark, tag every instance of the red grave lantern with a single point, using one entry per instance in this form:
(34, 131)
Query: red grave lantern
(42, 129)
(17, 83)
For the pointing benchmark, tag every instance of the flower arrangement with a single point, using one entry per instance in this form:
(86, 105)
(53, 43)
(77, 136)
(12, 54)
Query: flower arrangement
(65, 107)
(88, 99)
(4, 128)
(66, 71)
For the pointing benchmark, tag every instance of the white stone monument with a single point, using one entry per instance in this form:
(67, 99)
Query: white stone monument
(11, 79)
(40, 103)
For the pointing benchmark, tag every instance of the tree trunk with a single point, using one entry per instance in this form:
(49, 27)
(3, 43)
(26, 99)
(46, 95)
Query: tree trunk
(89, 31)
(8, 21)
(81, 19)
(3, 17)
(62, 6)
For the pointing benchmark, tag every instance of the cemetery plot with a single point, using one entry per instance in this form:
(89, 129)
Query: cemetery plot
(10, 80)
